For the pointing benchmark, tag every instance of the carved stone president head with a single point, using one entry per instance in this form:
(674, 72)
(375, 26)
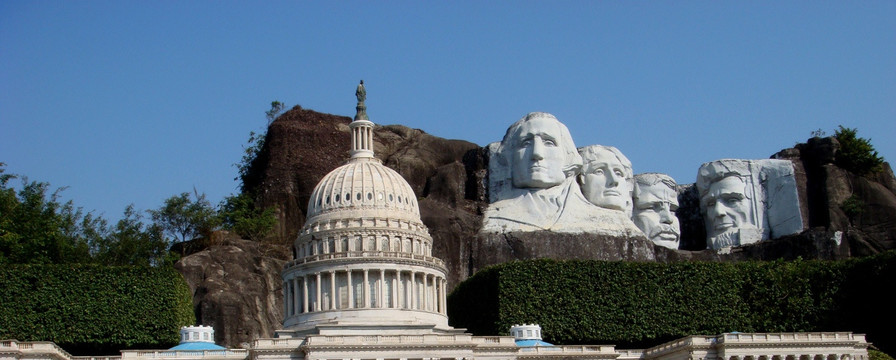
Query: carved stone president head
(606, 178)
(656, 200)
(728, 201)
(539, 151)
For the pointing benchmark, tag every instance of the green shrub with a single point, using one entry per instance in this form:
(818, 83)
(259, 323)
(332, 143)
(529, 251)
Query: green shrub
(878, 355)
(856, 154)
(89, 309)
(637, 305)
(853, 206)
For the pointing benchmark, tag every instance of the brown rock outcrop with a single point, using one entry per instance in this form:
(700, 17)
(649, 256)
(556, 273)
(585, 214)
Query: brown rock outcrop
(236, 288)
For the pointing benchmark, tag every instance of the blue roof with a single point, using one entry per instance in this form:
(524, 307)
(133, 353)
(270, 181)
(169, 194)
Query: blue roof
(198, 345)
(527, 343)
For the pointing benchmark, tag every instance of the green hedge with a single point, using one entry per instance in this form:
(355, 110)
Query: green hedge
(636, 305)
(94, 310)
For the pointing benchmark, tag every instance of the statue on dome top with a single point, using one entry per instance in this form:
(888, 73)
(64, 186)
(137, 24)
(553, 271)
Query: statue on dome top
(361, 109)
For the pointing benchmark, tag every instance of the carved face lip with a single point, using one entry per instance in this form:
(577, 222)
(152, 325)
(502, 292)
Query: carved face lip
(723, 226)
(667, 235)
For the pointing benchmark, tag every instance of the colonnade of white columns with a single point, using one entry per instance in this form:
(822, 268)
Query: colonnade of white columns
(379, 288)
(362, 138)
(358, 242)
(793, 357)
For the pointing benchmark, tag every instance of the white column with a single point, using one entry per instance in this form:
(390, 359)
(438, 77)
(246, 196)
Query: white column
(305, 293)
(395, 290)
(295, 295)
(333, 290)
(351, 290)
(317, 285)
(366, 288)
(425, 292)
(382, 286)
(413, 292)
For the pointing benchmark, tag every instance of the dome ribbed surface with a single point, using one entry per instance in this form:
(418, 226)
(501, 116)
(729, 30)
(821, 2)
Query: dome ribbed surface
(363, 183)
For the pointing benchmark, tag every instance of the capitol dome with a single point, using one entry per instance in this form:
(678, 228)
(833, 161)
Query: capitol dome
(363, 259)
(363, 186)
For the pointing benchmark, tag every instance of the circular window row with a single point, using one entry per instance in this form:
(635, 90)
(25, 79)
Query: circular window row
(347, 199)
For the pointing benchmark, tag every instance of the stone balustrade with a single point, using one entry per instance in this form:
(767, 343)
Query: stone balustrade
(227, 354)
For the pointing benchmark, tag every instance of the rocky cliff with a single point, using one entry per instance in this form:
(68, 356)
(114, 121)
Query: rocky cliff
(237, 284)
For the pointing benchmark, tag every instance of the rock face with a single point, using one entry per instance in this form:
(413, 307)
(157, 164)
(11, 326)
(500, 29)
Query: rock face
(236, 288)
(237, 284)
(862, 208)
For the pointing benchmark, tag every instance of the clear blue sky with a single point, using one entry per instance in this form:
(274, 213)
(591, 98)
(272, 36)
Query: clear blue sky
(134, 101)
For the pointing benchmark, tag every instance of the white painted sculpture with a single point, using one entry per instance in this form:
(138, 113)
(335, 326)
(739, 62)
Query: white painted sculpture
(655, 201)
(606, 178)
(532, 183)
(747, 201)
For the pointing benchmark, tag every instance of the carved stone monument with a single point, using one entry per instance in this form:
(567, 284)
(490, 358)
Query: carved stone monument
(532, 184)
(655, 201)
(747, 201)
(606, 178)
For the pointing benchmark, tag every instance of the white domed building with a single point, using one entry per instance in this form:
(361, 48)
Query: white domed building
(363, 260)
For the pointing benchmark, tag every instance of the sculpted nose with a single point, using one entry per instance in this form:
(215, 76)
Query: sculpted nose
(612, 179)
(666, 216)
(537, 150)
(714, 210)
(717, 209)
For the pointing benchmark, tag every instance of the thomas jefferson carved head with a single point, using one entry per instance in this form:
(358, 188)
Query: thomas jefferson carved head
(656, 200)
(606, 178)
(539, 151)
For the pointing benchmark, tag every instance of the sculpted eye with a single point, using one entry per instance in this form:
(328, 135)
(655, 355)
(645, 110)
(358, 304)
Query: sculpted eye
(732, 200)
(550, 142)
(599, 171)
(618, 172)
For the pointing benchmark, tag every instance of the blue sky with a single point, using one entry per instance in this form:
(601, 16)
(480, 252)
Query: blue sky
(134, 101)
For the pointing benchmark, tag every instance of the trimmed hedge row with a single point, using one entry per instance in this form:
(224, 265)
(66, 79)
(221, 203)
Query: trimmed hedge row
(636, 305)
(90, 309)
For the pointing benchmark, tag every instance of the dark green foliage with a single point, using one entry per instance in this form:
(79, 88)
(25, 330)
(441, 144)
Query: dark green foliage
(643, 304)
(131, 242)
(254, 146)
(36, 228)
(239, 214)
(853, 206)
(856, 154)
(877, 355)
(90, 309)
(184, 218)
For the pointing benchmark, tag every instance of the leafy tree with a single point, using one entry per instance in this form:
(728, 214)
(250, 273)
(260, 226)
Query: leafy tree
(36, 228)
(183, 218)
(276, 108)
(856, 154)
(239, 214)
(131, 242)
(255, 144)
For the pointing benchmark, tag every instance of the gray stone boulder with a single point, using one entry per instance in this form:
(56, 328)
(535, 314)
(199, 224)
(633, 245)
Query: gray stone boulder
(236, 288)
